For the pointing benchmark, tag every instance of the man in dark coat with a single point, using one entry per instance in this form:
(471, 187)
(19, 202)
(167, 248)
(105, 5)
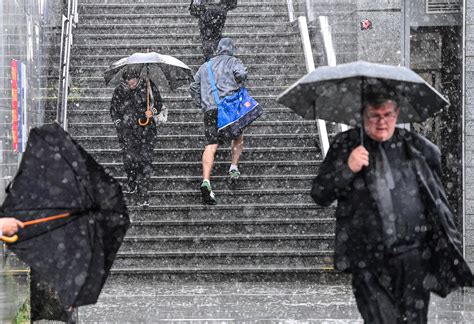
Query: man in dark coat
(129, 104)
(394, 229)
(229, 74)
(212, 17)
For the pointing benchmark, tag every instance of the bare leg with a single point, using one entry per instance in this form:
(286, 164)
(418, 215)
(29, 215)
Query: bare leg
(237, 147)
(208, 160)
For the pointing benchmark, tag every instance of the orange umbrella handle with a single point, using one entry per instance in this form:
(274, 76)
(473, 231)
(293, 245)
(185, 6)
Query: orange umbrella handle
(9, 239)
(143, 121)
(14, 238)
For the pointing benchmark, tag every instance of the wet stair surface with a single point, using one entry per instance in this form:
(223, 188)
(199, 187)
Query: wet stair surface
(266, 227)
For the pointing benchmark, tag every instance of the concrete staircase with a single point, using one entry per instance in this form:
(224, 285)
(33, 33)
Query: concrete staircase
(267, 228)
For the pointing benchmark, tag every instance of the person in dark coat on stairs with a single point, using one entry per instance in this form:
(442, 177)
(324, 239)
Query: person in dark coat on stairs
(128, 106)
(230, 74)
(394, 228)
(212, 16)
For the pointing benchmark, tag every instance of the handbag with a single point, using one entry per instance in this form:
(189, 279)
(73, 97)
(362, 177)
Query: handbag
(234, 112)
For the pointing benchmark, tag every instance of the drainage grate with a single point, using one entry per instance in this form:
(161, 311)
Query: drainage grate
(443, 6)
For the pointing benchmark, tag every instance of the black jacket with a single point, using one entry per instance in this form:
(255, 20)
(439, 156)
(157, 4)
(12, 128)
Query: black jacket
(359, 241)
(128, 106)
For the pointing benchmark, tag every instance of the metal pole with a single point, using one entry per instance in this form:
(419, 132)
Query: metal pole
(71, 8)
(309, 10)
(61, 64)
(330, 52)
(291, 10)
(463, 129)
(309, 61)
(405, 41)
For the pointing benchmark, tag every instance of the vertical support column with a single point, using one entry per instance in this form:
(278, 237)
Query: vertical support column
(405, 40)
(463, 130)
(309, 61)
(291, 10)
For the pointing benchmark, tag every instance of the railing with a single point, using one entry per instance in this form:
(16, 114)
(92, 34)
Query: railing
(309, 61)
(68, 22)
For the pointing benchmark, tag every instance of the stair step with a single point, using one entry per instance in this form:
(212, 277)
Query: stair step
(78, 92)
(228, 226)
(295, 57)
(153, 260)
(258, 127)
(223, 154)
(225, 196)
(244, 182)
(195, 141)
(183, 28)
(78, 113)
(194, 38)
(253, 80)
(174, 49)
(101, 103)
(182, 16)
(235, 242)
(157, 8)
(79, 69)
(223, 212)
(321, 275)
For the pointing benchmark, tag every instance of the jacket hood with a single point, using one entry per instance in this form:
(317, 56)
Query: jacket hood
(226, 47)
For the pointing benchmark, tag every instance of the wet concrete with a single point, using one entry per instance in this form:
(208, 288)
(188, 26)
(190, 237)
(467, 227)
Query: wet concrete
(268, 302)
(14, 285)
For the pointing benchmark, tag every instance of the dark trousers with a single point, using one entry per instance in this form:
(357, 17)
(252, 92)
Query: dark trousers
(137, 157)
(211, 24)
(395, 292)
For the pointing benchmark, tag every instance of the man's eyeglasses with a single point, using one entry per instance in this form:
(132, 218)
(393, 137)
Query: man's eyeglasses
(388, 117)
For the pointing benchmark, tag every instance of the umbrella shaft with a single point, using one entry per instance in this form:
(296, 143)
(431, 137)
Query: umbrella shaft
(46, 219)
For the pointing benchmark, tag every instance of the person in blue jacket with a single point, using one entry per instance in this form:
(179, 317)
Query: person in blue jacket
(229, 74)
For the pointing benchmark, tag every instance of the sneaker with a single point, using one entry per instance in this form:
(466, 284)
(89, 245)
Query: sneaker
(208, 197)
(234, 175)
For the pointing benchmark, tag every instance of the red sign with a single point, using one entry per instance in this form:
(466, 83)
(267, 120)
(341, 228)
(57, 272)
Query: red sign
(15, 105)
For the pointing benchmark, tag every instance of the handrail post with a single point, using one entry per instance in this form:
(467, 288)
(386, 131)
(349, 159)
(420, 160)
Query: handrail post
(60, 72)
(68, 22)
(330, 53)
(309, 61)
(291, 10)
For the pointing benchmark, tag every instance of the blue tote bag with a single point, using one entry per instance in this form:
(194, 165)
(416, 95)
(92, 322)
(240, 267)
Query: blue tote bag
(234, 112)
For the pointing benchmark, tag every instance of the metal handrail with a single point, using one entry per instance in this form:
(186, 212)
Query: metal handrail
(309, 60)
(291, 10)
(330, 52)
(68, 22)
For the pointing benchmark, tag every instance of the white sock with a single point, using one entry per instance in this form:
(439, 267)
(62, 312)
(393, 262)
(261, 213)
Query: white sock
(206, 180)
(233, 167)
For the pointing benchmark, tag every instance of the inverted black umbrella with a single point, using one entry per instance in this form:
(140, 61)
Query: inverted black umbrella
(86, 217)
(155, 66)
(336, 93)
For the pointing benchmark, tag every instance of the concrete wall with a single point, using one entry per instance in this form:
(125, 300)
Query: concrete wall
(469, 132)
(382, 43)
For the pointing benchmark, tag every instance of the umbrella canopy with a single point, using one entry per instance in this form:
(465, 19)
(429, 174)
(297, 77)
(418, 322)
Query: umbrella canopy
(156, 65)
(336, 93)
(72, 254)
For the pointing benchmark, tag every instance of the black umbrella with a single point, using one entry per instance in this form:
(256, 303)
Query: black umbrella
(336, 93)
(155, 66)
(74, 252)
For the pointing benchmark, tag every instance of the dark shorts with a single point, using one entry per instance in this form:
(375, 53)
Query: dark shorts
(211, 134)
